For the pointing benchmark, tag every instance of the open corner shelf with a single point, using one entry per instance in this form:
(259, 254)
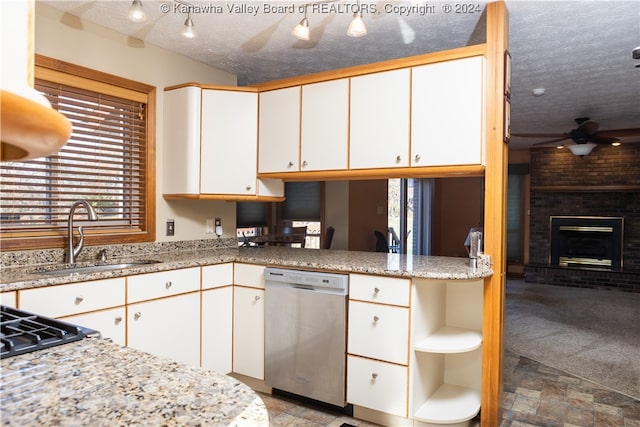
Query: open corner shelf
(450, 339)
(450, 404)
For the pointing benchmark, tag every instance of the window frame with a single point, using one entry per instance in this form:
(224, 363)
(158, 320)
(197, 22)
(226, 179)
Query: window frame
(72, 74)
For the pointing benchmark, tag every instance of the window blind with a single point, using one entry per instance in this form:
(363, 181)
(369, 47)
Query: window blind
(303, 202)
(104, 161)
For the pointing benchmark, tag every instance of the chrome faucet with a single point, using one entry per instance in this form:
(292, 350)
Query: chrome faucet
(73, 252)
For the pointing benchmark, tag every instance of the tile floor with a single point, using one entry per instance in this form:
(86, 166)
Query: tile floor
(535, 395)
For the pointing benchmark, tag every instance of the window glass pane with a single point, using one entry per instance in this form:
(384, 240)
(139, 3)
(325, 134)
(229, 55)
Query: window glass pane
(251, 214)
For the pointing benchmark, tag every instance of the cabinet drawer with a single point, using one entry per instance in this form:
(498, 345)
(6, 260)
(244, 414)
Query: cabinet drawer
(379, 331)
(162, 284)
(215, 276)
(377, 385)
(248, 275)
(111, 323)
(9, 299)
(74, 298)
(383, 290)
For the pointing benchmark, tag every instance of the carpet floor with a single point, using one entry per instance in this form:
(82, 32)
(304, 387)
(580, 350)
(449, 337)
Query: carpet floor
(591, 333)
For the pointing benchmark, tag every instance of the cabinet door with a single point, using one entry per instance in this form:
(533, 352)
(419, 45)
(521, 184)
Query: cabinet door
(168, 327)
(279, 131)
(380, 120)
(250, 275)
(9, 299)
(229, 142)
(379, 331)
(162, 284)
(182, 141)
(217, 327)
(73, 298)
(377, 385)
(248, 332)
(325, 125)
(447, 123)
(111, 323)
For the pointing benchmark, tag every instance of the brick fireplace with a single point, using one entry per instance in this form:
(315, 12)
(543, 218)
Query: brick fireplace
(604, 184)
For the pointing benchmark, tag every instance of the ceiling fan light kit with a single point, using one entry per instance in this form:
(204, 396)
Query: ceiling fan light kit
(582, 149)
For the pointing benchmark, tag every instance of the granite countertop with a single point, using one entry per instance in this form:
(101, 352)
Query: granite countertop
(395, 265)
(96, 382)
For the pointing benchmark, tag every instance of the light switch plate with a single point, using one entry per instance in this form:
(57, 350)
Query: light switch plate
(171, 227)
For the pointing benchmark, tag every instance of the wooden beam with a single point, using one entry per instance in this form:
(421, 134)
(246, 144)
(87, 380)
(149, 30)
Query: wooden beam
(495, 215)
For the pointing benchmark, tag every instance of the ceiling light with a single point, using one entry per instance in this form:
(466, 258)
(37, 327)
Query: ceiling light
(301, 30)
(136, 12)
(357, 28)
(188, 30)
(616, 143)
(582, 149)
(539, 91)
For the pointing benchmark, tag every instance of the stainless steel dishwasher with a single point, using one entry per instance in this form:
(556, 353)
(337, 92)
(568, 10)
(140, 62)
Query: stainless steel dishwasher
(305, 333)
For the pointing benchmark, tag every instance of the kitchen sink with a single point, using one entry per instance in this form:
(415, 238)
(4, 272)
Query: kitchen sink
(72, 269)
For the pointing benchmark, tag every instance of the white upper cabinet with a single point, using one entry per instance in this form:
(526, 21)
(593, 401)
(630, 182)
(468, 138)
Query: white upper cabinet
(380, 120)
(229, 137)
(182, 141)
(279, 131)
(210, 148)
(325, 126)
(447, 114)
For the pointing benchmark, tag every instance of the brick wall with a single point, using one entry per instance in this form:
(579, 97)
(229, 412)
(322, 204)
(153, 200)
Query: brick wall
(606, 166)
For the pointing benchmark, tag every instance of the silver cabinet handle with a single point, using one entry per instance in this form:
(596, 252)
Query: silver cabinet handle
(417, 157)
(168, 284)
(398, 159)
(117, 320)
(257, 298)
(375, 318)
(290, 165)
(79, 299)
(374, 376)
(137, 315)
(248, 188)
(304, 163)
(376, 290)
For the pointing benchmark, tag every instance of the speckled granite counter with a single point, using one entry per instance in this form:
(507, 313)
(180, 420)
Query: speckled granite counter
(397, 265)
(94, 382)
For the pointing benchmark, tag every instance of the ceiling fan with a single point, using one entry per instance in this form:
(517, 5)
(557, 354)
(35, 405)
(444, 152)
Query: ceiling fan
(585, 137)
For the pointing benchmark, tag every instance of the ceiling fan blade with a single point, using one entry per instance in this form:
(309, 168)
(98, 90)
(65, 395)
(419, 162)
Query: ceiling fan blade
(552, 141)
(588, 127)
(540, 135)
(619, 133)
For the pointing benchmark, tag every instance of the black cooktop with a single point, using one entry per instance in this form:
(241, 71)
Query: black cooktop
(24, 332)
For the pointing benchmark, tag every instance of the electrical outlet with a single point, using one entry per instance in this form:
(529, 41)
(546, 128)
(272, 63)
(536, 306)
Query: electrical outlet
(171, 227)
(209, 226)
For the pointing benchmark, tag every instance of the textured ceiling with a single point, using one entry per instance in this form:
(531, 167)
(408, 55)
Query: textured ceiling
(579, 51)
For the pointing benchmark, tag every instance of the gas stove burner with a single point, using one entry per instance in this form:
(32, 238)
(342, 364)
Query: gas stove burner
(24, 332)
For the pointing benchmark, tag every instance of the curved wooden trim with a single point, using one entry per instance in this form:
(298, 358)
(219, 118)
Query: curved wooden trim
(411, 61)
(216, 87)
(362, 174)
(225, 197)
(30, 129)
(584, 188)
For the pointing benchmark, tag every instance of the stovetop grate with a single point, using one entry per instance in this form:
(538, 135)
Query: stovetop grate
(23, 332)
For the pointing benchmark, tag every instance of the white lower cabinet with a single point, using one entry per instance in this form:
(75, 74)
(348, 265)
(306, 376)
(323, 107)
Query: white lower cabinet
(111, 323)
(168, 327)
(446, 365)
(377, 385)
(217, 317)
(217, 329)
(248, 332)
(10, 299)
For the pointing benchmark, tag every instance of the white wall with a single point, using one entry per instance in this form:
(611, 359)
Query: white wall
(83, 43)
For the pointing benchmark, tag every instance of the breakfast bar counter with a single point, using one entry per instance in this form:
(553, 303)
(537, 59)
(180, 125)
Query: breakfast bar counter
(96, 382)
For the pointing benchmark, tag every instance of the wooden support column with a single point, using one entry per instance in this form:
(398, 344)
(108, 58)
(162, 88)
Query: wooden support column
(495, 216)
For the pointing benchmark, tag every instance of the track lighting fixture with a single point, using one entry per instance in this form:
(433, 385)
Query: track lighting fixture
(301, 31)
(357, 27)
(188, 29)
(136, 12)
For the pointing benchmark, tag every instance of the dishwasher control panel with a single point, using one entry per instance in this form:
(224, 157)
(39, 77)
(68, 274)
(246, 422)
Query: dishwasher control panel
(334, 281)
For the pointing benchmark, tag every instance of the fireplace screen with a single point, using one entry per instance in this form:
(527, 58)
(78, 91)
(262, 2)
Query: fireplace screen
(587, 242)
